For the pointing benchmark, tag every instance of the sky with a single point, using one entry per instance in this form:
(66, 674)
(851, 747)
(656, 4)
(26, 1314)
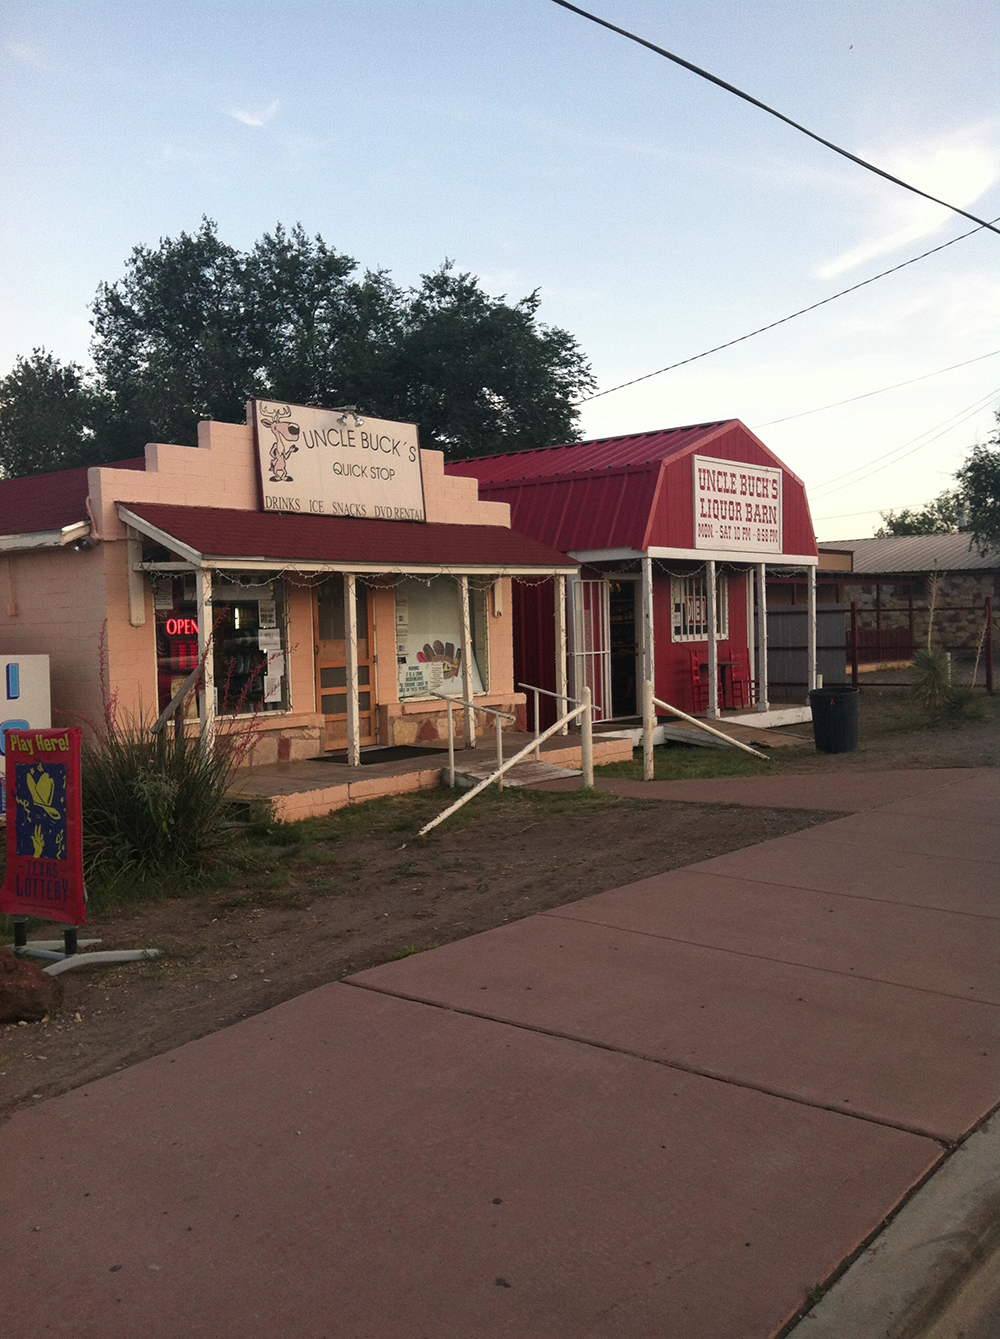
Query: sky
(656, 214)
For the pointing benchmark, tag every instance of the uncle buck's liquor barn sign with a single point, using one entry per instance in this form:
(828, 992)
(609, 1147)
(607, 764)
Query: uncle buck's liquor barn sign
(44, 826)
(326, 462)
(736, 506)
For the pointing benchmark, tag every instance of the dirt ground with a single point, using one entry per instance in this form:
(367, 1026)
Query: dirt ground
(332, 896)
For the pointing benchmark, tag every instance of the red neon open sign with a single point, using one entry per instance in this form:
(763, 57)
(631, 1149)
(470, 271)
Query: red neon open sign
(182, 627)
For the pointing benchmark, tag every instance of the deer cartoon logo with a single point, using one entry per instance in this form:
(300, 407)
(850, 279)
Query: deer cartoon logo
(285, 434)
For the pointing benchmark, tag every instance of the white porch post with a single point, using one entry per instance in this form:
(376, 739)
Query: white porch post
(751, 627)
(811, 619)
(762, 703)
(206, 654)
(559, 595)
(713, 645)
(648, 669)
(467, 685)
(351, 642)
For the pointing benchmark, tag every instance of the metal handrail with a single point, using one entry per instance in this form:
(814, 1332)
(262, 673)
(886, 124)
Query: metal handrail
(584, 711)
(649, 717)
(450, 699)
(531, 688)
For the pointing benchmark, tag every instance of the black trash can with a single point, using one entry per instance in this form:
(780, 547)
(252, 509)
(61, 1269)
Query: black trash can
(835, 718)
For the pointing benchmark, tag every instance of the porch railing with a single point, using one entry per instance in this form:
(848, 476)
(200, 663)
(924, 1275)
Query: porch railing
(560, 697)
(649, 721)
(584, 712)
(450, 701)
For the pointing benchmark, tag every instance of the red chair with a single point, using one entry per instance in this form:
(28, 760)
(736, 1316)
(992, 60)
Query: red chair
(699, 689)
(742, 688)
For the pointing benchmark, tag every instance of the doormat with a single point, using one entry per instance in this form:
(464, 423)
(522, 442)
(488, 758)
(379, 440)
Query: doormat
(398, 753)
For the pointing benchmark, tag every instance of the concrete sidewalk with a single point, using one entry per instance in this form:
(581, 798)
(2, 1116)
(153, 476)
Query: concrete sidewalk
(669, 1110)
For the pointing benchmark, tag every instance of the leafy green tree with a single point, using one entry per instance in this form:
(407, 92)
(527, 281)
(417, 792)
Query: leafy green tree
(979, 483)
(480, 375)
(49, 416)
(940, 517)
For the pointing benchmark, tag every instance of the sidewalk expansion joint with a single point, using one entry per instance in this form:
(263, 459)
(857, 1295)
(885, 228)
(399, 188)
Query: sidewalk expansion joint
(782, 962)
(829, 892)
(731, 1080)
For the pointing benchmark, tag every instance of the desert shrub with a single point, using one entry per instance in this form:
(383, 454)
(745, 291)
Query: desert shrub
(931, 683)
(153, 802)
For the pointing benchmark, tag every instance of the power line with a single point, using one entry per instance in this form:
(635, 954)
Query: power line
(755, 102)
(717, 348)
(881, 391)
(946, 426)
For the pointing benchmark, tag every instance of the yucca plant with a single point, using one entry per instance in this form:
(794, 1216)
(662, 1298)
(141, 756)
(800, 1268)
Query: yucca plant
(152, 802)
(931, 683)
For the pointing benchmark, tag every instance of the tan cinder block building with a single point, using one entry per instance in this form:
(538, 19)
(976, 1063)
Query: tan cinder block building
(319, 576)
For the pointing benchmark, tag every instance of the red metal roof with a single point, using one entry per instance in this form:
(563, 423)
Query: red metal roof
(217, 532)
(49, 501)
(629, 492)
(603, 453)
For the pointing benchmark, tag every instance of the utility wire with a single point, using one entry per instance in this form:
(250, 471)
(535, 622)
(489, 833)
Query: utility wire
(881, 391)
(945, 426)
(731, 88)
(717, 348)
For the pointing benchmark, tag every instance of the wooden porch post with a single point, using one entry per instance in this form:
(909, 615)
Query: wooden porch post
(206, 654)
(751, 628)
(762, 702)
(467, 686)
(713, 645)
(351, 641)
(811, 633)
(559, 594)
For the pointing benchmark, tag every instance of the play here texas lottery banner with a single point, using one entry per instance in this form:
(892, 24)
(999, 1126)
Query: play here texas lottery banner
(44, 826)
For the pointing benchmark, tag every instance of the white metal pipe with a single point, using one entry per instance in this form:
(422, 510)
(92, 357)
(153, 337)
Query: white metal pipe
(648, 725)
(587, 741)
(499, 733)
(538, 726)
(451, 747)
(510, 762)
(709, 729)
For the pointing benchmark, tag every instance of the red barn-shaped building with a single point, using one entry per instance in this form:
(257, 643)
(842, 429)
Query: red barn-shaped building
(675, 532)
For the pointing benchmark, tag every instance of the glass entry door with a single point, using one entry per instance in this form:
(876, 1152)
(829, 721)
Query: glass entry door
(331, 664)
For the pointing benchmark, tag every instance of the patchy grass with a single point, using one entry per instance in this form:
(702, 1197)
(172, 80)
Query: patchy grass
(685, 762)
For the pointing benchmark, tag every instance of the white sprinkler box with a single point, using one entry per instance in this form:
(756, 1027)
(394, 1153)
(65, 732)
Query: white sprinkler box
(26, 700)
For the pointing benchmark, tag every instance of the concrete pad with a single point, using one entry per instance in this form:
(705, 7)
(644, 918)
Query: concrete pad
(926, 1062)
(976, 798)
(849, 792)
(920, 947)
(830, 863)
(940, 838)
(354, 1166)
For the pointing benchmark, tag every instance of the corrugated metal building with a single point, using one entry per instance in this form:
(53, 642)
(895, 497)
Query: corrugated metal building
(675, 530)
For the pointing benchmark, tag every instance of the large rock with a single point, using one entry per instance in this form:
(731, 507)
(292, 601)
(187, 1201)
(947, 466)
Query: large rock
(26, 992)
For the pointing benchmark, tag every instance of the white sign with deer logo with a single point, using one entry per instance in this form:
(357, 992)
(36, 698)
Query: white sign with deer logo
(333, 462)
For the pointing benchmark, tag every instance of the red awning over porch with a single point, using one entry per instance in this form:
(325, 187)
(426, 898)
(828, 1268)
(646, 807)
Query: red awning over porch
(217, 535)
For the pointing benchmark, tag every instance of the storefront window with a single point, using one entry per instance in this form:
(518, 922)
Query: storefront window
(429, 637)
(249, 644)
(689, 606)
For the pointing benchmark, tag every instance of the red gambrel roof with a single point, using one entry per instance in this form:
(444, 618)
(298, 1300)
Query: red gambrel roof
(633, 450)
(43, 502)
(225, 534)
(632, 492)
